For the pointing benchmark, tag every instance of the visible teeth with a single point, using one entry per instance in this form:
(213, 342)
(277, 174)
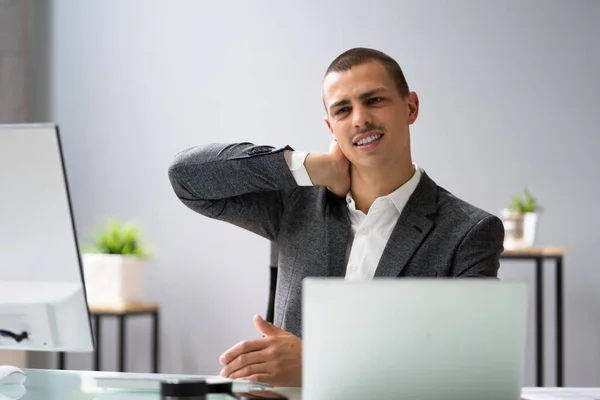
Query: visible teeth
(368, 140)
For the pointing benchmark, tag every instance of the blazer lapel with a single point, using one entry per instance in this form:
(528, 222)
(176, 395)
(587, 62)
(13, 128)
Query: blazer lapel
(412, 227)
(338, 226)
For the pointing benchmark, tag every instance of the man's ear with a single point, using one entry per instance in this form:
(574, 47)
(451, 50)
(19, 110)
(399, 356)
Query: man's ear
(413, 107)
(328, 123)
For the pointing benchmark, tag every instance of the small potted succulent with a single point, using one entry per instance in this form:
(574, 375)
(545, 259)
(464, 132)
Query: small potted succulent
(113, 265)
(521, 220)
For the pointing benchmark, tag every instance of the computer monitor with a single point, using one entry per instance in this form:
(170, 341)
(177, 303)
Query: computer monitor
(43, 305)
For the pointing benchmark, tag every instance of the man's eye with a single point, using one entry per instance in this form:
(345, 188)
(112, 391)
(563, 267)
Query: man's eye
(374, 100)
(342, 110)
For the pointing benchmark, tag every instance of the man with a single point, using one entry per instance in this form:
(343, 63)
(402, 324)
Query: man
(360, 211)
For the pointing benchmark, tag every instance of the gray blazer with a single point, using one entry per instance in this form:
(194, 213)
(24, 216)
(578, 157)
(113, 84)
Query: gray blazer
(250, 186)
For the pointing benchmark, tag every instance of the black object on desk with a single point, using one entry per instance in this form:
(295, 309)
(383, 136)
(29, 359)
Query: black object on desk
(122, 312)
(195, 389)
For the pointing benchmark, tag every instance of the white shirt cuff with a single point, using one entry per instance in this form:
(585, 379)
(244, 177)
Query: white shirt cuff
(295, 162)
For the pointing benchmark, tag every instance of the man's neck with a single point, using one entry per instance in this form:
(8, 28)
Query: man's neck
(368, 185)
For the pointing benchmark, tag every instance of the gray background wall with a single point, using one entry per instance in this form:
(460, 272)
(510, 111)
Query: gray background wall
(509, 97)
(14, 58)
(14, 100)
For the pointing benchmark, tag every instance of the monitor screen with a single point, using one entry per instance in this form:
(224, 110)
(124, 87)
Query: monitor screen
(42, 295)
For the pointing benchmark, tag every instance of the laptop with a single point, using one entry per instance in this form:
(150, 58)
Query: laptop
(413, 339)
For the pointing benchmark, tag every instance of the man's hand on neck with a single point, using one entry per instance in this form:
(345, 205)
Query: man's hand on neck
(333, 170)
(330, 169)
(368, 185)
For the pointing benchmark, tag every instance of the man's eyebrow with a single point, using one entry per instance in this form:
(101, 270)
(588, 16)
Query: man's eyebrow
(372, 92)
(363, 96)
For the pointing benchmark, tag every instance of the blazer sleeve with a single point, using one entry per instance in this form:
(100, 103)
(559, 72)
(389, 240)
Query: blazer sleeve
(241, 183)
(478, 254)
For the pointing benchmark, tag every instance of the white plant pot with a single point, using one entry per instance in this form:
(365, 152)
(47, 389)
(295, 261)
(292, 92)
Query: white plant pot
(112, 280)
(513, 229)
(520, 229)
(530, 221)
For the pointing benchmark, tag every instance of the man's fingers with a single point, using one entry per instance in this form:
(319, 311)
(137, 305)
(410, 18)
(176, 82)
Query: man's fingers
(242, 361)
(259, 378)
(247, 346)
(251, 370)
(267, 328)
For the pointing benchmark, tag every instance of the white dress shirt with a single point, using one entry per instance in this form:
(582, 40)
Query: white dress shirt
(370, 232)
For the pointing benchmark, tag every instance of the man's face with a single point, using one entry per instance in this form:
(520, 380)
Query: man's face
(368, 117)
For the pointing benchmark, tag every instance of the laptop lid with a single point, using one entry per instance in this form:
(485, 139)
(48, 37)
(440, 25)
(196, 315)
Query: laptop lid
(410, 338)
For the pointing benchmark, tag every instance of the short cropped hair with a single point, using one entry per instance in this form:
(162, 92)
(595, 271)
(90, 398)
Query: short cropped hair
(362, 55)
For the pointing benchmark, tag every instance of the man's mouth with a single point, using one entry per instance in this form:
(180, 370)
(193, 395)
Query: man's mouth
(369, 139)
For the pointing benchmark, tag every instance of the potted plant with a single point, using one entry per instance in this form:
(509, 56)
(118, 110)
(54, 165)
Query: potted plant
(521, 220)
(113, 265)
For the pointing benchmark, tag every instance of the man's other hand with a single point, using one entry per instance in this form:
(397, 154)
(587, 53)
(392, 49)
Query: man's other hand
(330, 169)
(275, 359)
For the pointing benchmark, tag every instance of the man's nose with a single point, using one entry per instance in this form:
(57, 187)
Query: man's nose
(361, 117)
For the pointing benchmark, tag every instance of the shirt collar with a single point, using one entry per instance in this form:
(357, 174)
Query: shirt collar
(399, 197)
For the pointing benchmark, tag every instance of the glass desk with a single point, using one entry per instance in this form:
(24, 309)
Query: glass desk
(93, 385)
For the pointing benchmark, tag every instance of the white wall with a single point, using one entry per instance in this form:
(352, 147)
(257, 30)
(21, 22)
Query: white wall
(509, 97)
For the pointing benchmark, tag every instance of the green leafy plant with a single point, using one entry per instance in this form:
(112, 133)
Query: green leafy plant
(524, 204)
(118, 238)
